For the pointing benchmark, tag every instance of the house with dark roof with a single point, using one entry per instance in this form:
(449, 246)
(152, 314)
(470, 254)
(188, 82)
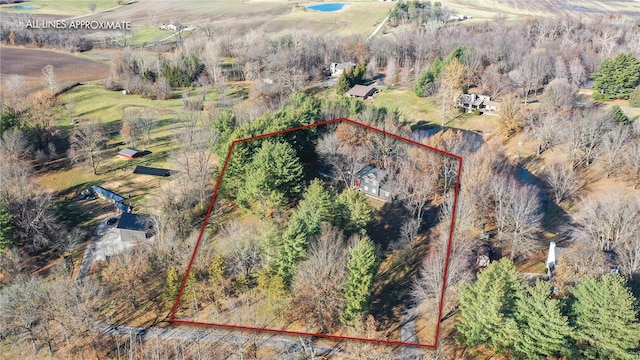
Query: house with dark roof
(134, 227)
(482, 103)
(362, 91)
(130, 153)
(372, 181)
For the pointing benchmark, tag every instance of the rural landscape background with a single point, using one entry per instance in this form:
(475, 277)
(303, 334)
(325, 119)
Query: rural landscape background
(113, 142)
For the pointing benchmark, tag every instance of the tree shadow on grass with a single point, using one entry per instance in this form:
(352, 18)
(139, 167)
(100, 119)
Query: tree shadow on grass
(392, 289)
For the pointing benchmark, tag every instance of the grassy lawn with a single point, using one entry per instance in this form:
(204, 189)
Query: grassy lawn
(148, 35)
(414, 109)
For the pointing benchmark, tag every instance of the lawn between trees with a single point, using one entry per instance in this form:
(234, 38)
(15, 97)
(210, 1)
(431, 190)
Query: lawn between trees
(315, 258)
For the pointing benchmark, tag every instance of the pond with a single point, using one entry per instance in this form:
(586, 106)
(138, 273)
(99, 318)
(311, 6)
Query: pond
(22, 7)
(328, 7)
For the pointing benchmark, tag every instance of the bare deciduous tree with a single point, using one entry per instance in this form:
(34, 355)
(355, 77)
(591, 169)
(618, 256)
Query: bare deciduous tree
(50, 78)
(517, 215)
(564, 181)
(317, 288)
(585, 136)
(15, 92)
(613, 145)
(543, 128)
(608, 222)
(195, 159)
(451, 87)
(87, 142)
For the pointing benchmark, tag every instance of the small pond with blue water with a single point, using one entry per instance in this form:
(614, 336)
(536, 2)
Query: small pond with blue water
(328, 7)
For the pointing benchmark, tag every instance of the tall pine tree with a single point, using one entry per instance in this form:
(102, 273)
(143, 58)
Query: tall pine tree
(315, 208)
(363, 267)
(273, 176)
(486, 307)
(605, 319)
(7, 237)
(543, 330)
(616, 78)
(172, 284)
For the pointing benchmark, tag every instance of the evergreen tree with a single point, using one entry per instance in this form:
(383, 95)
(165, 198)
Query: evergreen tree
(354, 212)
(344, 82)
(543, 330)
(486, 307)
(7, 237)
(172, 284)
(425, 84)
(616, 78)
(618, 115)
(190, 291)
(273, 176)
(217, 270)
(363, 267)
(634, 98)
(358, 74)
(295, 242)
(315, 208)
(605, 319)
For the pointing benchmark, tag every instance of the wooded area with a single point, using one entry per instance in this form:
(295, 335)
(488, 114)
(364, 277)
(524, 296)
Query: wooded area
(287, 247)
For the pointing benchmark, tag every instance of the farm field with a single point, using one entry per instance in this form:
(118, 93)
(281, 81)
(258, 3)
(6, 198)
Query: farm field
(69, 68)
(63, 7)
(488, 9)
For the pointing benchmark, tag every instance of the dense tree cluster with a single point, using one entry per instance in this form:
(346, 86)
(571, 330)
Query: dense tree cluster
(598, 320)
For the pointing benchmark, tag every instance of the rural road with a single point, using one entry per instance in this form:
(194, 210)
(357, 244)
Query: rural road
(378, 28)
(234, 337)
(210, 335)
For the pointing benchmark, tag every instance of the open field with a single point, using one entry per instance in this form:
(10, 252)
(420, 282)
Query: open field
(61, 7)
(488, 9)
(357, 18)
(68, 68)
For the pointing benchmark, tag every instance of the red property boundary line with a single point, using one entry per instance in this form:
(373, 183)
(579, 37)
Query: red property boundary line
(172, 318)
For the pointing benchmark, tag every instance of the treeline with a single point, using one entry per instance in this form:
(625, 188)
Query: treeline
(598, 319)
(14, 32)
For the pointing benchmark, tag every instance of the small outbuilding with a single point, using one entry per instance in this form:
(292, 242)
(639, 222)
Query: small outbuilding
(133, 227)
(105, 194)
(130, 153)
(362, 91)
(145, 170)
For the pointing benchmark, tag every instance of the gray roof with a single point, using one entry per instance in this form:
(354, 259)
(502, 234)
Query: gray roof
(138, 222)
(99, 190)
(361, 90)
(129, 152)
(373, 173)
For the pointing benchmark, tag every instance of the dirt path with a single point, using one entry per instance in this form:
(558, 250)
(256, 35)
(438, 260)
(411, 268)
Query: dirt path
(378, 28)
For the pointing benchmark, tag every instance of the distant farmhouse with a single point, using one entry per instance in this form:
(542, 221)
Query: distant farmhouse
(372, 181)
(134, 227)
(481, 103)
(362, 91)
(337, 69)
(172, 27)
